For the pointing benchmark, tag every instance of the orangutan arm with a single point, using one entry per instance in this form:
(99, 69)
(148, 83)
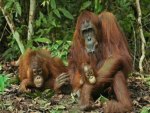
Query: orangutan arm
(24, 85)
(111, 66)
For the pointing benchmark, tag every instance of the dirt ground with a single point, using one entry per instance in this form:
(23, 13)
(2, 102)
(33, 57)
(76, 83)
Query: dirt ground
(11, 101)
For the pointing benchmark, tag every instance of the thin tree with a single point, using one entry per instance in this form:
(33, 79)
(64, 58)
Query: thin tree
(141, 35)
(31, 18)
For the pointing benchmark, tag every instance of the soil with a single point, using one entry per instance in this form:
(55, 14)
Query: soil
(11, 101)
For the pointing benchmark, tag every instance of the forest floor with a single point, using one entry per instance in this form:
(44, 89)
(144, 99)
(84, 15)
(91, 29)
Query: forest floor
(11, 101)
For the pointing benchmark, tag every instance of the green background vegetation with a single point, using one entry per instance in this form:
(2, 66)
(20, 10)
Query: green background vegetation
(54, 24)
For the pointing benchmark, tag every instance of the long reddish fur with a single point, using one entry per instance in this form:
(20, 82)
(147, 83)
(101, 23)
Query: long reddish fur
(111, 61)
(52, 68)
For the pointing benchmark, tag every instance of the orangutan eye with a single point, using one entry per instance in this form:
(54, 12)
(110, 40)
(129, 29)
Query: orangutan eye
(90, 30)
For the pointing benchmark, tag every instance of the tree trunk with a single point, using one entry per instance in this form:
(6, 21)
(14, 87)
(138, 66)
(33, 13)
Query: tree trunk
(141, 35)
(31, 18)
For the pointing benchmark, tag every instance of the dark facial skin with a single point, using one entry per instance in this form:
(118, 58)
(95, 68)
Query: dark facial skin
(89, 36)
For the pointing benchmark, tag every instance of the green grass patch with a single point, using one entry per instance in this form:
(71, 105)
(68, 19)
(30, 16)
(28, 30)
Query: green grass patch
(3, 82)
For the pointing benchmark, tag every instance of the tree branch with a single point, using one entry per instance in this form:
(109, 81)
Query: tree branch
(141, 35)
(12, 27)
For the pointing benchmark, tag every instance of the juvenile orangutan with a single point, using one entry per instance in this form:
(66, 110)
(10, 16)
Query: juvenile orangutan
(39, 70)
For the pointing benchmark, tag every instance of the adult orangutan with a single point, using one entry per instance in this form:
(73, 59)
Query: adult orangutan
(39, 70)
(99, 60)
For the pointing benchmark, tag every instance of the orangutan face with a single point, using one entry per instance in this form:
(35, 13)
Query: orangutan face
(89, 36)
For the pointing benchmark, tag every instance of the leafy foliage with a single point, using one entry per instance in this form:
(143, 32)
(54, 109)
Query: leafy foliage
(3, 82)
(55, 20)
(145, 110)
(48, 93)
(98, 6)
(13, 6)
(54, 25)
(85, 5)
(60, 49)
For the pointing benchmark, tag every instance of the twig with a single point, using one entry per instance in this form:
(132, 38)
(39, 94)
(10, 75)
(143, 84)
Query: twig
(146, 23)
(146, 16)
(3, 32)
(141, 36)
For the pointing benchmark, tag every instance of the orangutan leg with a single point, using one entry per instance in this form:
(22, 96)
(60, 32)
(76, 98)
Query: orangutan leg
(123, 102)
(85, 97)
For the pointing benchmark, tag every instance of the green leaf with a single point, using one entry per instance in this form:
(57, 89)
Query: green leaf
(96, 4)
(56, 11)
(46, 2)
(3, 82)
(131, 17)
(55, 47)
(8, 5)
(38, 23)
(145, 110)
(103, 99)
(59, 42)
(69, 42)
(53, 4)
(53, 22)
(41, 15)
(18, 8)
(85, 5)
(45, 40)
(29, 43)
(66, 13)
(100, 7)
(43, 3)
